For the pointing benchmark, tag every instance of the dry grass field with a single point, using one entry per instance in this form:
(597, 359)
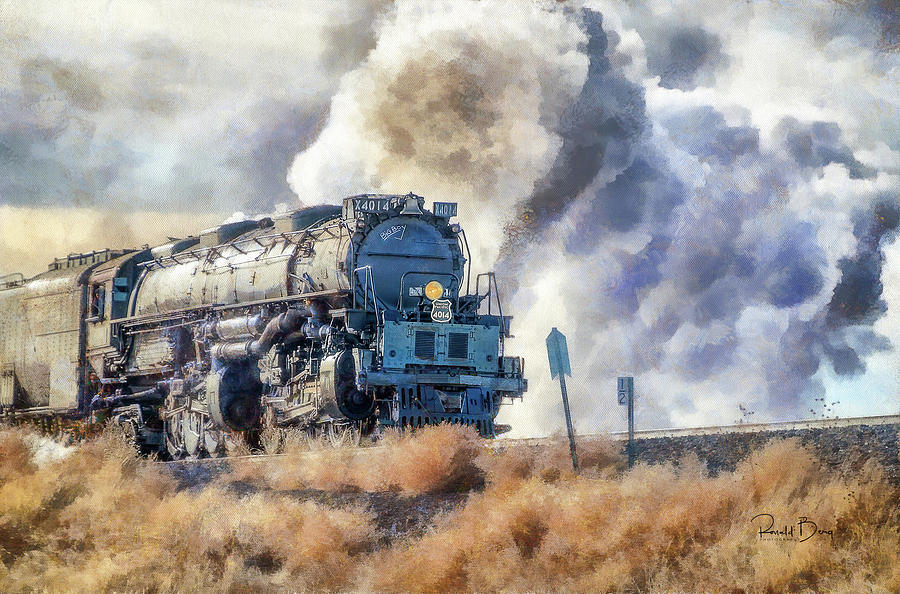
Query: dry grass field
(101, 519)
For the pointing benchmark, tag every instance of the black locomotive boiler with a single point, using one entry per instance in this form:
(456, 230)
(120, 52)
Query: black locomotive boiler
(328, 318)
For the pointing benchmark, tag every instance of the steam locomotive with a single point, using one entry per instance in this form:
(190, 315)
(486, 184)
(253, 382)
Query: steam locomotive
(330, 318)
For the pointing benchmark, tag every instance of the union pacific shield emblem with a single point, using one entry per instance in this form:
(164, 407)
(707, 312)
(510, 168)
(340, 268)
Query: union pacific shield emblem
(440, 310)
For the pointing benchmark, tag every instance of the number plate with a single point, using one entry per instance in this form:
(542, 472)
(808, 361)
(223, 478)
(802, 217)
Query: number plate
(440, 311)
(445, 210)
(376, 205)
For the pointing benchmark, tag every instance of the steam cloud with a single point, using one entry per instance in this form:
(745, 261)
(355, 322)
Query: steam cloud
(687, 197)
(134, 107)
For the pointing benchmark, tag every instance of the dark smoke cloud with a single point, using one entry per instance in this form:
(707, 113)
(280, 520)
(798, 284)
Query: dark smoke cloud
(887, 13)
(598, 129)
(643, 190)
(857, 297)
(685, 58)
(462, 121)
(704, 133)
(347, 43)
(879, 16)
(263, 148)
(816, 144)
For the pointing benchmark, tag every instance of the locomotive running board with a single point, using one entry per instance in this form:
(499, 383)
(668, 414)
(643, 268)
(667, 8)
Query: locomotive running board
(494, 384)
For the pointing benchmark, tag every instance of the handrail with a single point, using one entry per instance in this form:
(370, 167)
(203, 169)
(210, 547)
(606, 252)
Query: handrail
(492, 283)
(292, 237)
(468, 271)
(351, 251)
(8, 284)
(369, 277)
(11, 274)
(202, 309)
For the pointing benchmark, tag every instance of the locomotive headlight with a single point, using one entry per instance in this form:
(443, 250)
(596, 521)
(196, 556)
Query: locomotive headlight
(434, 290)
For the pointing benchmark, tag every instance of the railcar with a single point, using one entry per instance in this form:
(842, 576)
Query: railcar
(335, 319)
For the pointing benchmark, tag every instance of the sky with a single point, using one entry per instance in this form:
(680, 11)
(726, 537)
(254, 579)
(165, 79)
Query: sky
(703, 197)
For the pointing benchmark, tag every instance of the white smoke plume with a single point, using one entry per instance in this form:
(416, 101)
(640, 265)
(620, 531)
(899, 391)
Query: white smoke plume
(695, 196)
(46, 451)
(457, 102)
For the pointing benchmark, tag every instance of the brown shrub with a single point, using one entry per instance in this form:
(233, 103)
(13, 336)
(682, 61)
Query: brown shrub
(15, 454)
(103, 520)
(505, 464)
(433, 459)
(659, 528)
(438, 458)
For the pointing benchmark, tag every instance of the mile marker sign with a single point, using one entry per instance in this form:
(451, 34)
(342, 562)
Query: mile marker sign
(559, 354)
(559, 366)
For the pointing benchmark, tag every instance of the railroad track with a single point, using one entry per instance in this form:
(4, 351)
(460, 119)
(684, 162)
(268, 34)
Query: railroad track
(737, 428)
(364, 451)
(501, 443)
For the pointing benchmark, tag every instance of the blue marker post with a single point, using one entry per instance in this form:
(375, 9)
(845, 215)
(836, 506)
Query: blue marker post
(558, 352)
(626, 398)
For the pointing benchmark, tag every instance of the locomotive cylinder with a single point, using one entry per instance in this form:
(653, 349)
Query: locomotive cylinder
(237, 328)
(233, 351)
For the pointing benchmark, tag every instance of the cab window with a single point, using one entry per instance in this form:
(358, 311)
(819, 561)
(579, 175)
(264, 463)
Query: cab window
(98, 302)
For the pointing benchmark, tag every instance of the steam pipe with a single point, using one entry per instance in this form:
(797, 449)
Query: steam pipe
(155, 395)
(290, 326)
(233, 351)
(294, 337)
(277, 326)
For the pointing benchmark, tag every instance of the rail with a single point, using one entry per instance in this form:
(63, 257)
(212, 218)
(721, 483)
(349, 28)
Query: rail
(797, 425)
(764, 427)
(18, 279)
(503, 442)
(264, 242)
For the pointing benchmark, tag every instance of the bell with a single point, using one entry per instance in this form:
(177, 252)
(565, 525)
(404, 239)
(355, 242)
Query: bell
(412, 206)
